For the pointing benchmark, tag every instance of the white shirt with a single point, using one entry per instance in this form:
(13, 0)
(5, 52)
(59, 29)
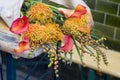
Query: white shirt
(10, 10)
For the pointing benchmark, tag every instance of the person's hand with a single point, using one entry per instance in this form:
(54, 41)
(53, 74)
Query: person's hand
(9, 11)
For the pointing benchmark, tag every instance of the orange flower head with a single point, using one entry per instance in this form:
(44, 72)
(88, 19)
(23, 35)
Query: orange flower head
(53, 32)
(40, 12)
(39, 34)
(34, 35)
(76, 25)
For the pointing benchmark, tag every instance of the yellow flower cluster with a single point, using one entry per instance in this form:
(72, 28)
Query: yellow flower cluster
(73, 25)
(43, 30)
(53, 32)
(40, 12)
(40, 34)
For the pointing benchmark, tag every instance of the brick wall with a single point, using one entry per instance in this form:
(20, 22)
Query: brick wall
(106, 15)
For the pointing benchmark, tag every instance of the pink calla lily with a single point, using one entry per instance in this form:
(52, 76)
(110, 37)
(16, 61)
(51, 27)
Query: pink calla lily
(66, 12)
(77, 13)
(22, 46)
(68, 43)
(19, 25)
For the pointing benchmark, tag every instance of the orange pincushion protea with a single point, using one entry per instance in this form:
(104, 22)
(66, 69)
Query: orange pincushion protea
(76, 25)
(77, 20)
(40, 12)
(33, 32)
(39, 34)
(53, 32)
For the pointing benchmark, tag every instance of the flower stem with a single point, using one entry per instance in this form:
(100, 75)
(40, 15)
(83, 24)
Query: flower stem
(70, 58)
(53, 7)
(21, 13)
(88, 49)
(41, 0)
(78, 50)
(65, 58)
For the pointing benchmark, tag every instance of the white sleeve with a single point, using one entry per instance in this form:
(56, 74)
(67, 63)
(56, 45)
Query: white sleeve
(10, 10)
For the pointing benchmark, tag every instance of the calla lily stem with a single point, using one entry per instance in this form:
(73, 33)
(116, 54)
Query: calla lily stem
(77, 50)
(53, 7)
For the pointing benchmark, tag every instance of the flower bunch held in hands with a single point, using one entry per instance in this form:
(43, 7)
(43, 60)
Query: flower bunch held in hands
(40, 26)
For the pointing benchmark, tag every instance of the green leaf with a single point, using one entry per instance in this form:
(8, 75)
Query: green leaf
(65, 58)
(77, 50)
(70, 58)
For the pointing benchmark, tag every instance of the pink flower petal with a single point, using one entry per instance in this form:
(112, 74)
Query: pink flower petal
(77, 13)
(66, 12)
(68, 43)
(22, 46)
(19, 25)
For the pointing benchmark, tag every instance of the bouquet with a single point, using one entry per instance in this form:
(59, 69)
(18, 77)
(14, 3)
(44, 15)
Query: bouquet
(56, 30)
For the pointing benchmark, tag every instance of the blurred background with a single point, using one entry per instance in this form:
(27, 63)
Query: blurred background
(106, 15)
